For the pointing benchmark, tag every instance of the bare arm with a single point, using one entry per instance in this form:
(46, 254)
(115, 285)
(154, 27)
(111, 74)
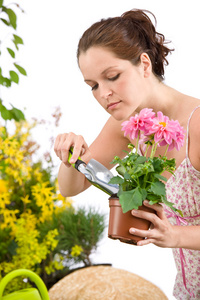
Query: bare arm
(164, 234)
(109, 142)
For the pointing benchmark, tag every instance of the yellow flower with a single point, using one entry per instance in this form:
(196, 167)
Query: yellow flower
(18, 174)
(9, 217)
(3, 186)
(26, 199)
(60, 197)
(76, 251)
(66, 201)
(54, 265)
(44, 198)
(4, 200)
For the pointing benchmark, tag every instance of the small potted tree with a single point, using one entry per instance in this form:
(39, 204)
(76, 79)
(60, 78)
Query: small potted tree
(140, 176)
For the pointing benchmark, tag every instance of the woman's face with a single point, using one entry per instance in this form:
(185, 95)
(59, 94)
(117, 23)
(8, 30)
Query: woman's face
(117, 84)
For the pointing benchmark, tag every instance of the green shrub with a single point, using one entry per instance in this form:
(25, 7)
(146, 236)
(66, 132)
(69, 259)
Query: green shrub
(39, 229)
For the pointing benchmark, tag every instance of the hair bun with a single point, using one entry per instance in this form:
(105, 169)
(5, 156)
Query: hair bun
(128, 37)
(152, 41)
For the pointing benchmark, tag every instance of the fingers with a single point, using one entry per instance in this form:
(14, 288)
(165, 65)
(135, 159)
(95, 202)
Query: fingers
(150, 216)
(148, 235)
(67, 140)
(145, 242)
(157, 207)
(143, 234)
(161, 232)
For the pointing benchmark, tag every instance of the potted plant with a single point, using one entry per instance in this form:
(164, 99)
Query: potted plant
(140, 176)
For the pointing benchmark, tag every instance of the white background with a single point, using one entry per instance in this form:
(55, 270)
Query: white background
(51, 30)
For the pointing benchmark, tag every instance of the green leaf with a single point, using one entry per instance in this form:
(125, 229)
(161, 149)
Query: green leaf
(14, 76)
(5, 81)
(5, 113)
(20, 69)
(17, 114)
(116, 180)
(158, 188)
(171, 205)
(158, 165)
(18, 39)
(131, 199)
(160, 177)
(121, 170)
(141, 160)
(9, 114)
(11, 52)
(1, 3)
(12, 17)
(127, 176)
(144, 194)
(139, 170)
(5, 21)
(153, 197)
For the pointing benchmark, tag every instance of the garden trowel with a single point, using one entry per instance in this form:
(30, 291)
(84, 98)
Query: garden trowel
(96, 173)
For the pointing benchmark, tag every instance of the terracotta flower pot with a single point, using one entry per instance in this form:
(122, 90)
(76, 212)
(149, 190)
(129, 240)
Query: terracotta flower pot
(120, 223)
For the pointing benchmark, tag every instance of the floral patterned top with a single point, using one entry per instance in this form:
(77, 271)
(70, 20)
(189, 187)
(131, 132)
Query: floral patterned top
(183, 189)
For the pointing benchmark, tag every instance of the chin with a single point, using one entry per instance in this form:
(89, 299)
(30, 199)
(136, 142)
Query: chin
(119, 117)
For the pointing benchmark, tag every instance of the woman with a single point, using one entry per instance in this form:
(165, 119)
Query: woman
(122, 59)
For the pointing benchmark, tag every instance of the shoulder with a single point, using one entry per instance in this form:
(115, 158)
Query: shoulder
(110, 142)
(194, 123)
(114, 125)
(112, 132)
(194, 138)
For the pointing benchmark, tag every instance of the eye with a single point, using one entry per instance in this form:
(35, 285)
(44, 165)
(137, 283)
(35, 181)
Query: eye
(95, 87)
(114, 78)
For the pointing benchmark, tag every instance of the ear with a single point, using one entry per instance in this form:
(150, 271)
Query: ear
(146, 64)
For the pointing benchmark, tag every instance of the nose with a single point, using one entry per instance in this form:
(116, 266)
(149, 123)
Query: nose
(106, 93)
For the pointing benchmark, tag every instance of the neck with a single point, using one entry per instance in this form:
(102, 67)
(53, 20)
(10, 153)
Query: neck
(162, 98)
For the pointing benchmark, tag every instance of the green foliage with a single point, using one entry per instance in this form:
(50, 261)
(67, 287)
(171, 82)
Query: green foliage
(140, 178)
(10, 114)
(81, 227)
(8, 19)
(39, 229)
(79, 232)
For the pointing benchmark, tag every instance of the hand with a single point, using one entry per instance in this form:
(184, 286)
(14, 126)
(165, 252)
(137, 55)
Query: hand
(161, 234)
(67, 140)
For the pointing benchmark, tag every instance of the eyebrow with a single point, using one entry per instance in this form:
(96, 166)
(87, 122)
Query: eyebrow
(89, 80)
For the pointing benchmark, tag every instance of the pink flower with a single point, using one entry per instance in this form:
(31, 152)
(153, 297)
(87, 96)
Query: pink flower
(178, 140)
(167, 132)
(155, 129)
(143, 141)
(162, 129)
(138, 123)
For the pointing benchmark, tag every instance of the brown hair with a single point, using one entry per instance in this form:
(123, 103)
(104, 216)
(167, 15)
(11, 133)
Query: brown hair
(128, 37)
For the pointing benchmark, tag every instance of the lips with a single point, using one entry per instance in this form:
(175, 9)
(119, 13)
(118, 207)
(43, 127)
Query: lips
(112, 105)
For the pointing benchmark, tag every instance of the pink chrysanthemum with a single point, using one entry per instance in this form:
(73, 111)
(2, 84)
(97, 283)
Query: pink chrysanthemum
(138, 123)
(167, 132)
(178, 140)
(162, 129)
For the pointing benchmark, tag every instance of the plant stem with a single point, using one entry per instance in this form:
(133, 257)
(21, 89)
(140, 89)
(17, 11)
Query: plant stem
(137, 142)
(153, 150)
(147, 148)
(166, 150)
